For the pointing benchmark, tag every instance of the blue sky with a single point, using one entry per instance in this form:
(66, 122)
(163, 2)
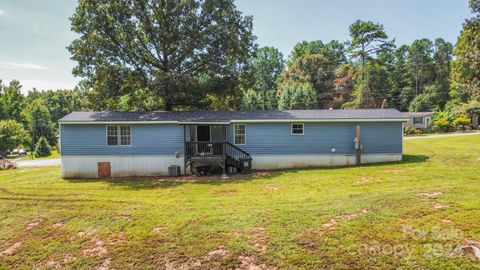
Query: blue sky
(34, 33)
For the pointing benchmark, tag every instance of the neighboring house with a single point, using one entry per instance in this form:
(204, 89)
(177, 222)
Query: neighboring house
(100, 144)
(421, 120)
(474, 121)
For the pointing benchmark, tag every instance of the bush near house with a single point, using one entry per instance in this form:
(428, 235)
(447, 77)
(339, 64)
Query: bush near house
(443, 125)
(462, 121)
(412, 131)
(43, 149)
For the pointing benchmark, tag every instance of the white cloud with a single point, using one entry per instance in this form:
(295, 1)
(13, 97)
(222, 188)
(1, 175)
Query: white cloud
(13, 65)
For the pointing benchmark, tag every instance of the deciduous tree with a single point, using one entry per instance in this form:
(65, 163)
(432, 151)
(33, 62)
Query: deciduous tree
(165, 46)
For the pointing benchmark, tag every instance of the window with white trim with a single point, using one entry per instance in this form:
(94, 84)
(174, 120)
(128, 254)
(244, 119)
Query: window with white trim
(418, 120)
(119, 135)
(239, 133)
(297, 128)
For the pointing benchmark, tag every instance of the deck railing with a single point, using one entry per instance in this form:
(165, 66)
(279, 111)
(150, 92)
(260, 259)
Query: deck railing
(204, 149)
(236, 153)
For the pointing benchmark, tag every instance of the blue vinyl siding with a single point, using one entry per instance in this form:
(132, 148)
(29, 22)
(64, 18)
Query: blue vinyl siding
(261, 138)
(380, 138)
(147, 139)
(320, 138)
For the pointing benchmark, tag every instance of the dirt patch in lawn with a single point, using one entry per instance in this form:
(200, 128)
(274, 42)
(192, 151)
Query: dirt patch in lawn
(364, 180)
(116, 239)
(126, 217)
(312, 238)
(220, 258)
(430, 195)
(58, 225)
(252, 263)
(271, 188)
(394, 171)
(439, 206)
(226, 192)
(11, 250)
(58, 264)
(348, 217)
(262, 174)
(260, 239)
(159, 230)
(468, 248)
(33, 225)
(96, 248)
(105, 264)
(86, 233)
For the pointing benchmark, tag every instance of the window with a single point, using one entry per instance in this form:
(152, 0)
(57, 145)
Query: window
(418, 120)
(297, 129)
(239, 134)
(112, 135)
(125, 135)
(119, 135)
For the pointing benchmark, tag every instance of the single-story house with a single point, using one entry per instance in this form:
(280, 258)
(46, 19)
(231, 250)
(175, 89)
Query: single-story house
(420, 120)
(103, 144)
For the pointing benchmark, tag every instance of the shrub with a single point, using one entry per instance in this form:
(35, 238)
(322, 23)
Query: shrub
(461, 121)
(443, 125)
(43, 149)
(412, 131)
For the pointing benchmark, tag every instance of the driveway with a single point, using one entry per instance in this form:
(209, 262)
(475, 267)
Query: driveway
(39, 163)
(441, 136)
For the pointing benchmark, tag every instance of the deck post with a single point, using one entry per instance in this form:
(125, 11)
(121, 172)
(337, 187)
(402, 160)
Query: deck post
(185, 149)
(358, 147)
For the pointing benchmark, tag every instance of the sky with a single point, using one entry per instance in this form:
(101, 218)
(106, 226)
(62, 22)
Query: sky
(34, 34)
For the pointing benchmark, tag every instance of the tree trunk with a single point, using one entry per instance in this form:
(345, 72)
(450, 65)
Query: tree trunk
(168, 105)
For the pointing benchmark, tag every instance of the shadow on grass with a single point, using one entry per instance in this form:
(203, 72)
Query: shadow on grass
(147, 182)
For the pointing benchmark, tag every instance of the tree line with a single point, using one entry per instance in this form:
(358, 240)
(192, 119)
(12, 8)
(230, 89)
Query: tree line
(30, 121)
(202, 55)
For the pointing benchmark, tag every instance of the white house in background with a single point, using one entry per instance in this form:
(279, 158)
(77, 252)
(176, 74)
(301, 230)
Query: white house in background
(421, 120)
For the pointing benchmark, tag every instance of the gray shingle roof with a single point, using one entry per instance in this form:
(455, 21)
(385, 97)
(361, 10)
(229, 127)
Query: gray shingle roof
(417, 114)
(210, 116)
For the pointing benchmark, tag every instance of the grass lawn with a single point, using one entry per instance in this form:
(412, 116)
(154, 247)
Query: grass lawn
(54, 155)
(407, 215)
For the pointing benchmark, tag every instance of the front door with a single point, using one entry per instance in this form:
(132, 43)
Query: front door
(203, 133)
(204, 147)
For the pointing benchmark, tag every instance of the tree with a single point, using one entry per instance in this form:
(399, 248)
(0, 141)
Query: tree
(165, 46)
(421, 65)
(370, 92)
(267, 66)
(12, 101)
(465, 79)
(368, 39)
(442, 58)
(334, 51)
(315, 70)
(252, 101)
(39, 122)
(432, 99)
(12, 135)
(43, 149)
(298, 96)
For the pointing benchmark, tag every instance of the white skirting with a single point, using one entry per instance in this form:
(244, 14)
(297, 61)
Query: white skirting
(266, 162)
(87, 166)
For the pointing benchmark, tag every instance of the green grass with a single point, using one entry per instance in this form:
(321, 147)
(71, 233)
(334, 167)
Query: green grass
(277, 220)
